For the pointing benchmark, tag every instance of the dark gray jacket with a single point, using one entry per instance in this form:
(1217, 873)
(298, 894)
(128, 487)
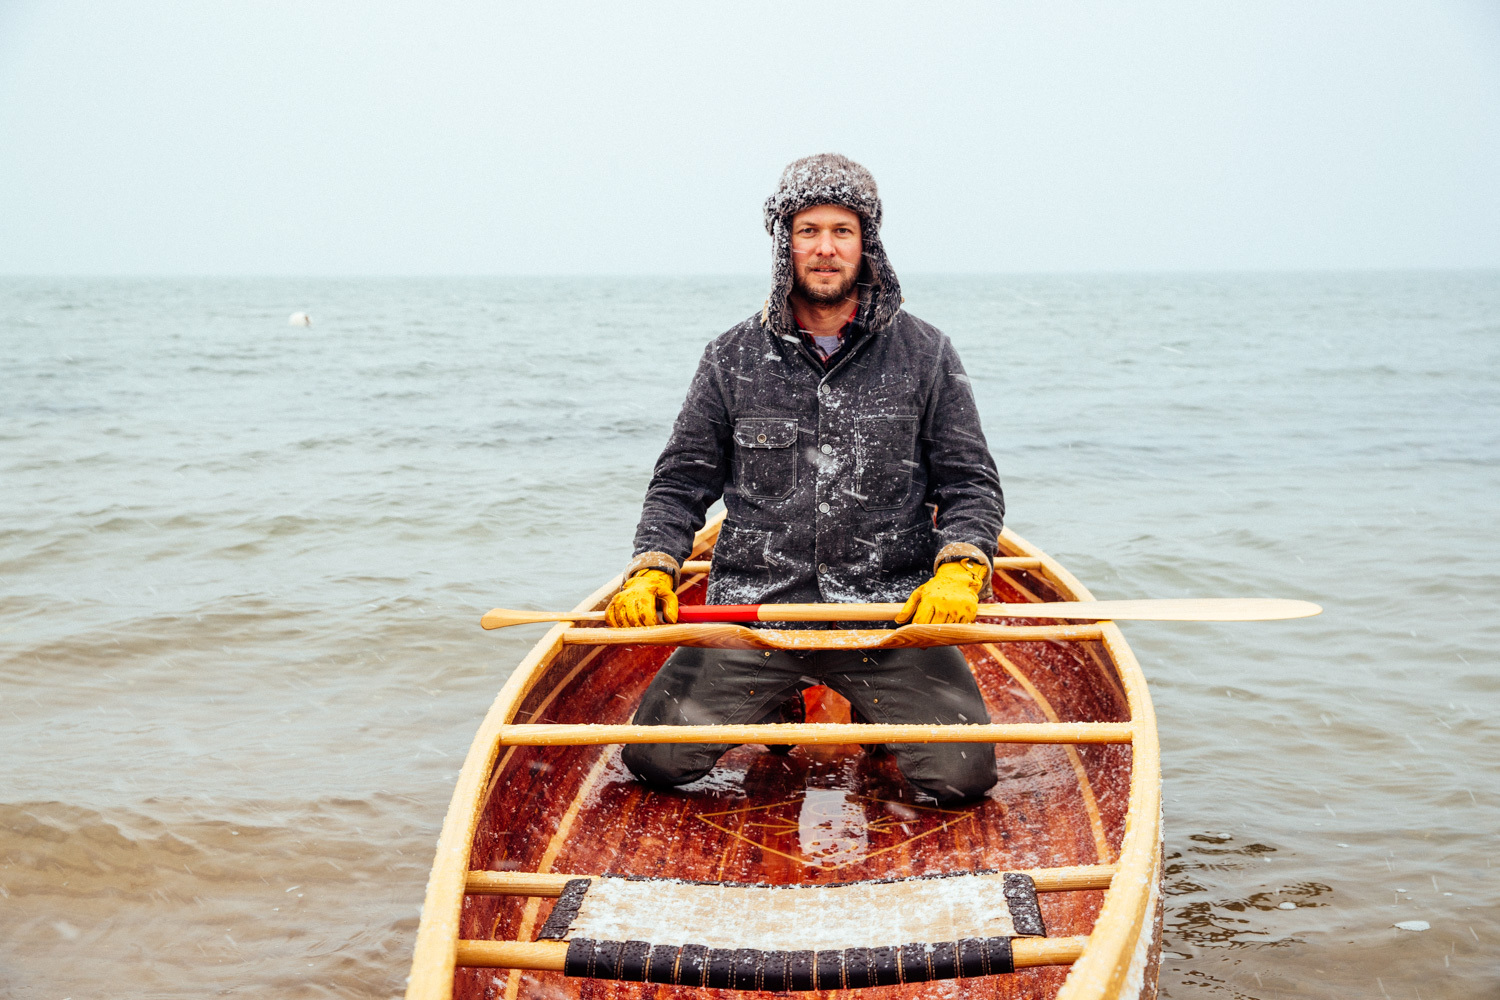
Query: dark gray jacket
(829, 476)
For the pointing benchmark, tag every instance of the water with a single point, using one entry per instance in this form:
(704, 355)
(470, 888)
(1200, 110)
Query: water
(243, 564)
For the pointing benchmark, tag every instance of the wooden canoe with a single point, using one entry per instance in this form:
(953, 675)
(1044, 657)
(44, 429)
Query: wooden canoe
(1077, 807)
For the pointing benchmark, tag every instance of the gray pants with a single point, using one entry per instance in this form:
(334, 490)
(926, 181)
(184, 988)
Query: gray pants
(718, 686)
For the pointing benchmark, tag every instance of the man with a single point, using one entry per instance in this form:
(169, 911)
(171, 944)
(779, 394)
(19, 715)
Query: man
(834, 425)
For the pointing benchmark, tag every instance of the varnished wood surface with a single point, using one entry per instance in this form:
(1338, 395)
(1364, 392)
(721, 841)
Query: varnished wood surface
(818, 814)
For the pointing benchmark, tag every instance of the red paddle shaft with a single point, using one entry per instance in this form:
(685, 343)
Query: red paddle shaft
(698, 613)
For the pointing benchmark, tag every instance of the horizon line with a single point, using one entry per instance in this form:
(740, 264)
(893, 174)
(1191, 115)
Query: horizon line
(730, 275)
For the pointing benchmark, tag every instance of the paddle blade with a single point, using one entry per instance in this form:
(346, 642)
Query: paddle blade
(501, 617)
(1192, 609)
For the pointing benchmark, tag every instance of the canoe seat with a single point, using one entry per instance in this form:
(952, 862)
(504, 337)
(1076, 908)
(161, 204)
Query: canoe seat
(747, 936)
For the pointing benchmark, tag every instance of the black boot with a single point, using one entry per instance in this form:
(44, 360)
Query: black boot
(794, 709)
(876, 750)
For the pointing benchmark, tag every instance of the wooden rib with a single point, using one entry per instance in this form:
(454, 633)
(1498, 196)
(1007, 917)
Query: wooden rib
(549, 956)
(551, 884)
(725, 636)
(785, 733)
(1085, 787)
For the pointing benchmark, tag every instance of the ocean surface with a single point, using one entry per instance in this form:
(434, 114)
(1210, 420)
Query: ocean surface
(242, 563)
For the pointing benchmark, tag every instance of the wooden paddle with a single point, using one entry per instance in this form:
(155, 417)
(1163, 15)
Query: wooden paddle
(1196, 609)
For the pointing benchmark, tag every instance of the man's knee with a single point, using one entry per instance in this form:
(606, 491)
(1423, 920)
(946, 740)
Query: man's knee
(668, 765)
(963, 771)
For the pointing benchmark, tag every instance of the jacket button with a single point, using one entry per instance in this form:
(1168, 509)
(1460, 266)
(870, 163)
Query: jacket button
(822, 567)
(828, 449)
(823, 507)
(825, 388)
(760, 438)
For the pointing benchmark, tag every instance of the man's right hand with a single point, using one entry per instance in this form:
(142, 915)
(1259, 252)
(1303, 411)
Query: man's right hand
(635, 604)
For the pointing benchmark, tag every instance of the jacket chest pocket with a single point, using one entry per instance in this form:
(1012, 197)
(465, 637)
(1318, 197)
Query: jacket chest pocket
(886, 450)
(765, 457)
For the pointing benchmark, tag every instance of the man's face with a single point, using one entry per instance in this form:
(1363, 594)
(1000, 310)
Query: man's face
(825, 253)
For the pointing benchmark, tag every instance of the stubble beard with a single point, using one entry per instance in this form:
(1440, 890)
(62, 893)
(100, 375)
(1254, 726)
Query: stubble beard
(841, 292)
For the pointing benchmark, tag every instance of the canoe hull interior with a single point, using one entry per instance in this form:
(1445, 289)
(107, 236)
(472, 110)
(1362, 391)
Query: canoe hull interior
(818, 814)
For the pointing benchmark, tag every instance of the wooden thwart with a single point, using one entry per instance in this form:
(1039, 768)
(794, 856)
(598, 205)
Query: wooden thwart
(551, 956)
(551, 884)
(788, 733)
(1237, 609)
(906, 637)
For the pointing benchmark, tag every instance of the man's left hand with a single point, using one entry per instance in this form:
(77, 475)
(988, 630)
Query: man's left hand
(952, 595)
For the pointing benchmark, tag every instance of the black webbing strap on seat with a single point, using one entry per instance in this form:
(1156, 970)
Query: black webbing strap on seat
(556, 927)
(780, 971)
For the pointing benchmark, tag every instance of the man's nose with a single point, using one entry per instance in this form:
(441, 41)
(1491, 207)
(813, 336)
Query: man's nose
(826, 247)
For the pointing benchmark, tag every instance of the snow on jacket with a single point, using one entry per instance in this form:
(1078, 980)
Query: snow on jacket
(829, 476)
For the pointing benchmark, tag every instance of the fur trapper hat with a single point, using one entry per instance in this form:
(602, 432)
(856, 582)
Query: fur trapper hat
(829, 179)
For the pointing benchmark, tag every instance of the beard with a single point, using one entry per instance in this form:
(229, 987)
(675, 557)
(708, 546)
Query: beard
(827, 296)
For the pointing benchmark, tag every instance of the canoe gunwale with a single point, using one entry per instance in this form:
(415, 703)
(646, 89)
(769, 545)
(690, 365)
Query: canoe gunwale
(1111, 958)
(1119, 942)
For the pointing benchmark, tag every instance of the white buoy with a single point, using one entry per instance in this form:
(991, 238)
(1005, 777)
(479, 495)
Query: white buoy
(1414, 925)
(299, 319)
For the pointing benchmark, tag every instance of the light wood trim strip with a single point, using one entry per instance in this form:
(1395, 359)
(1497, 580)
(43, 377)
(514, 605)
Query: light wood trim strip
(551, 884)
(549, 956)
(1073, 878)
(724, 636)
(1085, 787)
(823, 733)
(548, 885)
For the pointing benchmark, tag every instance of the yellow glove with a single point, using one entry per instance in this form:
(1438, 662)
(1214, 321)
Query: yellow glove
(635, 604)
(952, 595)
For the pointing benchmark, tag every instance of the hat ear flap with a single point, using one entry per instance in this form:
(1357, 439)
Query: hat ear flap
(884, 300)
(777, 313)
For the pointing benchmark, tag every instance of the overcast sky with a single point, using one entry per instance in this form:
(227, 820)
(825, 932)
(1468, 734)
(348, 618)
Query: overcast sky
(419, 138)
